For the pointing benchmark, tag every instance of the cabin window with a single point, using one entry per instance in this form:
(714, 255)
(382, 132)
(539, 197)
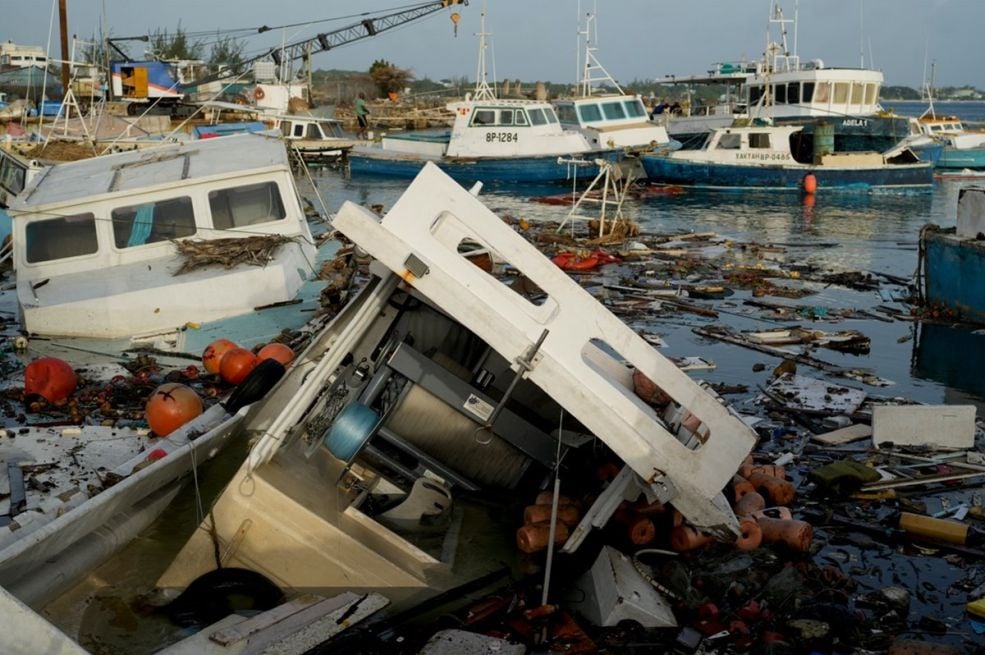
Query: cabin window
(759, 140)
(12, 176)
(755, 93)
(857, 93)
(521, 118)
(567, 114)
(613, 110)
(314, 131)
(822, 94)
(807, 93)
(793, 93)
(484, 117)
(780, 94)
(871, 93)
(298, 131)
(730, 141)
(635, 109)
(537, 117)
(152, 222)
(589, 113)
(246, 205)
(61, 238)
(505, 117)
(550, 115)
(841, 93)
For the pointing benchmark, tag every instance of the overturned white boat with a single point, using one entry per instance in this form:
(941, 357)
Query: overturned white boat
(97, 242)
(439, 380)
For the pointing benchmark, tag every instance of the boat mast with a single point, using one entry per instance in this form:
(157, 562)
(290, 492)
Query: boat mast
(592, 63)
(482, 89)
(63, 28)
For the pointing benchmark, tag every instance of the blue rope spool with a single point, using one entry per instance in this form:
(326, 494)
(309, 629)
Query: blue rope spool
(351, 430)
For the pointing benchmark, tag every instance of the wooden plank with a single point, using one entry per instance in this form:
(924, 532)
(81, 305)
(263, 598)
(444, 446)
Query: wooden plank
(271, 617)
(844, 435)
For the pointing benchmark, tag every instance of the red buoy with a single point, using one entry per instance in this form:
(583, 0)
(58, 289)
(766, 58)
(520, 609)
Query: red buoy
(809, 183)
(236, 365)
(212, 357)
(170, 406)
(276, 351)
(51, 378)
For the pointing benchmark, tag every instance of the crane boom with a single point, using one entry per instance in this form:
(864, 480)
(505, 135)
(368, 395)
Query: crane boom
(342, 36)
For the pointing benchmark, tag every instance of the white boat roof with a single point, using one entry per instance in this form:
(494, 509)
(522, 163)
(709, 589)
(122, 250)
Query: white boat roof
(168, 164)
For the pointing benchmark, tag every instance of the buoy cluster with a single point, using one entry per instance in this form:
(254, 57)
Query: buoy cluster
(50, 381)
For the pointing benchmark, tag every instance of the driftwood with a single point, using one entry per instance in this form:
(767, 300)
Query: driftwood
(255, 251)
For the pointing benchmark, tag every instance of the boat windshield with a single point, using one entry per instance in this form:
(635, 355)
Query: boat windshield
(589, 113)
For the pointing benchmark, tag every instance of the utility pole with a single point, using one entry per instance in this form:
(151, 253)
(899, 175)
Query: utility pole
(63, 27)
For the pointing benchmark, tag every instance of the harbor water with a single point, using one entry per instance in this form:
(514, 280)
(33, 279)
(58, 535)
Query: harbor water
(836, 232)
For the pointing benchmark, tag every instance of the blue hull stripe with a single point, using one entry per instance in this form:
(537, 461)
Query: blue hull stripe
(684, 173)
(526, 169)
(954, 158)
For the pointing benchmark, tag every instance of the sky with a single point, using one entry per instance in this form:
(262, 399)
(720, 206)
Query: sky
(536, 39)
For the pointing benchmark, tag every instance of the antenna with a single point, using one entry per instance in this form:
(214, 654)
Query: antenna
(592, 63)
(861, 34)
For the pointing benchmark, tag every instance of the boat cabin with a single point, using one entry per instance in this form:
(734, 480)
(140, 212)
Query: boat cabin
(812, 90)
(496, 128)
(612, 121)
(754, 145)
(95, 240)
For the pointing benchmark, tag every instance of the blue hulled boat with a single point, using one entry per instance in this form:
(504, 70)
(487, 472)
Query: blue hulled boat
(952, 261)
(492, 140)
(762, 157)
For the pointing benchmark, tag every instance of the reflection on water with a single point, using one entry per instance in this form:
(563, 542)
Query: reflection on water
(953, 356)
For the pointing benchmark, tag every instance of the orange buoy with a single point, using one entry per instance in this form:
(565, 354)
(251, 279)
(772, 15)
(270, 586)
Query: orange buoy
(750, 503)
(534, 537)
(276, 351)
(567, 513)
(809, 183)
(170, 406)
(236, 364)
(796, 535)
(780, 492)
(649, 391)
(751, 535)
(212, 357)
(51, 378)
(684, 538)
(740, 487)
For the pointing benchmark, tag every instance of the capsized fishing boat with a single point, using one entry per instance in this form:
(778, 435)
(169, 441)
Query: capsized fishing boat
(491, 140)
(149, 241)
(439, 382)
(762, 156)
(951, 270)
(315, 138)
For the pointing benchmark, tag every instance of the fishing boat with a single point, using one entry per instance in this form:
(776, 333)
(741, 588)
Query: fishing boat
(952, 261)
(491, 139)
(962, 148)
(800, 92)
(439, 383)
(762, 156)
(314, 138)
(153, 240)
(608, 120)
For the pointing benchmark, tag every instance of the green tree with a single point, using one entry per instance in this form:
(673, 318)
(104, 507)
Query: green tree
(175, 46)
(388, 77)
(226, 51)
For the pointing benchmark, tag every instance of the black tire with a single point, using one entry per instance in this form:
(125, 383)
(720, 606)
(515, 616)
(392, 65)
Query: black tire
(256, 385)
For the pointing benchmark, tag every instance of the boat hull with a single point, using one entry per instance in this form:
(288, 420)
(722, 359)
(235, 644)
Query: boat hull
(955, 158)
(546, 168)
(954, 273)
(712, 175)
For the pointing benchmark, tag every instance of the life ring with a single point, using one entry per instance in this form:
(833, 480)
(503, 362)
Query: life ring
(258, 93)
